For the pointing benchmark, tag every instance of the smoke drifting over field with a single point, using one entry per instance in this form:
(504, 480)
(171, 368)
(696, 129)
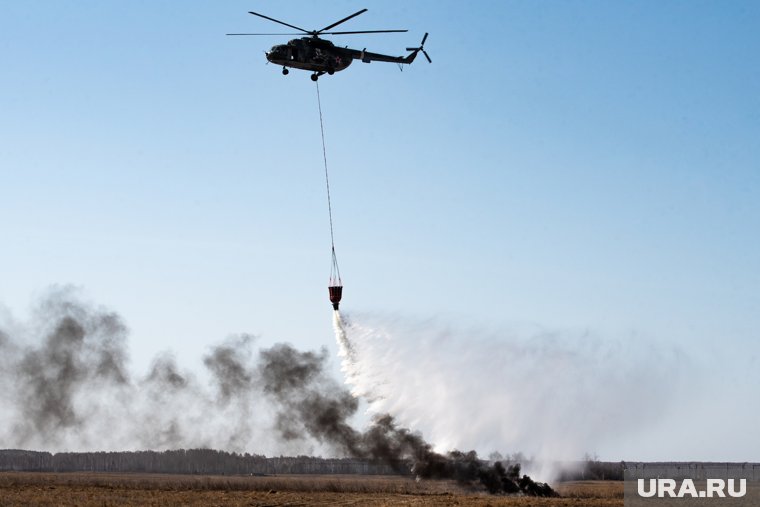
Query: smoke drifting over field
(68, 387)
(71, 389)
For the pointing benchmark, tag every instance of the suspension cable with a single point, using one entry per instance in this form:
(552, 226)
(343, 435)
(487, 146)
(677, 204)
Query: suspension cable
(334, 268)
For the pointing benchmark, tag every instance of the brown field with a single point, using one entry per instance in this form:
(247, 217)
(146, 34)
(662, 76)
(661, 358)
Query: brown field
(102, 489)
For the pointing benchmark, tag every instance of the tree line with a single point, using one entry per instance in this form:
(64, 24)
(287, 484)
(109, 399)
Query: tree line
(189, 461)
(212, 462)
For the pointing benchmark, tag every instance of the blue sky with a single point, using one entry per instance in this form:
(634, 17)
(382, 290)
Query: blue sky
(577, 165)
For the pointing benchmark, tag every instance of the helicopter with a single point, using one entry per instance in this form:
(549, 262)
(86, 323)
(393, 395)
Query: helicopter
(320, 56)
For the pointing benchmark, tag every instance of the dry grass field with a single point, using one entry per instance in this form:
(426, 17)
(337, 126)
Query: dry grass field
(102, 489)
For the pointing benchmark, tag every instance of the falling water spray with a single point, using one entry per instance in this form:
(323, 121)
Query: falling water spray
(387, 440)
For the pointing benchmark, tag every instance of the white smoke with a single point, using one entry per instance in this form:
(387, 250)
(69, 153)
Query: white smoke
(554, 396)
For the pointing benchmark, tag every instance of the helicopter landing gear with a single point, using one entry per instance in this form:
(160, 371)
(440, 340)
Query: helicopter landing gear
(285, 71)
(330, 71)
(314, 77)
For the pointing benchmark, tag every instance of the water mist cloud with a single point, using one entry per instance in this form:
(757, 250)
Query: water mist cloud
(553, 395)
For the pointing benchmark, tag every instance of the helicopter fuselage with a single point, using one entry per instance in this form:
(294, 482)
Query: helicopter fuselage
(311, 53)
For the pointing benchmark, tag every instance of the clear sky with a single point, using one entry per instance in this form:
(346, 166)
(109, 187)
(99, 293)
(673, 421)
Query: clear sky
(573, 165)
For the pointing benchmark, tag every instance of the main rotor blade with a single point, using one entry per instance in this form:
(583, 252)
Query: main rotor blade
(263, 34)
(342, 20)
(278, 21)
(362, 31)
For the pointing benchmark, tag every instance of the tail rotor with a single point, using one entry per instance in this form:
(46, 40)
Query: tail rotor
(422, 48)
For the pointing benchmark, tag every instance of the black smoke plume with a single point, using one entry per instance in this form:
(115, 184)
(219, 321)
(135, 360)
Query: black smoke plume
(72, 390)
(312, 403)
